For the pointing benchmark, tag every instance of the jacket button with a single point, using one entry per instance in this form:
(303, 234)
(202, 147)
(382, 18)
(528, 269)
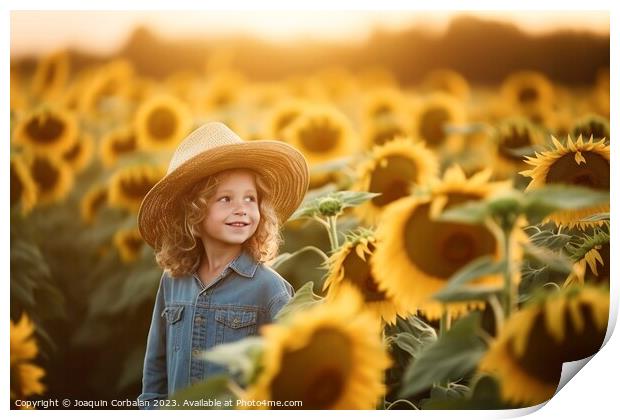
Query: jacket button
(195, 352)
(198, 320)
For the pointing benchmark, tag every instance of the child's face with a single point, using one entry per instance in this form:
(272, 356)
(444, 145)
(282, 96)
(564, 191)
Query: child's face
(232, 212)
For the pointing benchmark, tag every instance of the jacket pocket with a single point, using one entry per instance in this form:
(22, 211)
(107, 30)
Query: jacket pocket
(234, 324)
(173, 314)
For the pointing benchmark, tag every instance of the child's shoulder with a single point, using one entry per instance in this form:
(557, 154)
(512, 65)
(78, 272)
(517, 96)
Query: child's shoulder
(271, 277)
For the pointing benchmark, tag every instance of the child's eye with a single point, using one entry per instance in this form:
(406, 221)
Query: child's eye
(250, 198)
(224, 198)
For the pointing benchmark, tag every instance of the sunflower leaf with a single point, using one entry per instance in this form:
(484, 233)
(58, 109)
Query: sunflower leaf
(303, 299)
(598, 217)
(548, 238)
(541, 202)
(312, 206)
(549, 259)
(239, 357)
(215, 390)
(473, 212)
(452, 356)
(456, 289)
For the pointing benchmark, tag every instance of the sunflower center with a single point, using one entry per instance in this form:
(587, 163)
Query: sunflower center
(514, 140)
(432, 124)
(124, 144)
(393, 180)
(17, 186)
(45, 130)
(320, 137)
(74, 152)
(317, 373)
(285, 119)
(99, 200)
(440, 249)
(162, 123)
(593, 173)
(45, 174)
(387, 133)
(543, 356)
(357, 271)
(382, 110)
(528, 95)
(133, 243)
(136, 187)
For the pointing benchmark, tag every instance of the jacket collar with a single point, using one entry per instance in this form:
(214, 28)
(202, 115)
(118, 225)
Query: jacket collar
(244, 264)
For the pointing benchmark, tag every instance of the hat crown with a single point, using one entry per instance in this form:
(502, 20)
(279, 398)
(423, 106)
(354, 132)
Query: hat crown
(204, 138)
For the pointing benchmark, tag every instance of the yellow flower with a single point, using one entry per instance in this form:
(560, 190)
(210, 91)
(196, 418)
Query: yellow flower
(330, 356)
(47, 131)
(416, 254)
(447, 81)
(25, 376)
(107, 90)
(282, 116)
(52, 176)
(128, 242)
(592, 260)
(220, 93)
(322, 134)
(513, 134)
(81, 153)
(117, 143)
(576, 163)
(383, 102)
(393, 170)
(94, 199)
(51, 76)
(528, 91)
(350, 265)
(129, 185)
(162, 122)
(527, 355)
(591, 125)
(377, 132)
(433, 119)
(23, 188)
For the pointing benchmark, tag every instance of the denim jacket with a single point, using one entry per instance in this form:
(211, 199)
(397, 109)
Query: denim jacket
(190, 318)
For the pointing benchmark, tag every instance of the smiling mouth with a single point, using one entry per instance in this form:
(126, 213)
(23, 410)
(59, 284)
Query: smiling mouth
(238, 224)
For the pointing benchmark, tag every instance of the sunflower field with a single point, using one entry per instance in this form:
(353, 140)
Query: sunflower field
(452, 251)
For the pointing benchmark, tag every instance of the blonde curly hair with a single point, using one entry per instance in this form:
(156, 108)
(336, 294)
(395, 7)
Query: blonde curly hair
(180, 252)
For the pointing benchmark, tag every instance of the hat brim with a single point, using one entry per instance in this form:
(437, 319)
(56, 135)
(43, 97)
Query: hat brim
(282, 167)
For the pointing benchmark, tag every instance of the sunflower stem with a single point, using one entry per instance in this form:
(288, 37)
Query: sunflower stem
(333, 233)
(498, 313)
(508, 287)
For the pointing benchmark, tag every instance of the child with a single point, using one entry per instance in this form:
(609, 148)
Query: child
(213, 220)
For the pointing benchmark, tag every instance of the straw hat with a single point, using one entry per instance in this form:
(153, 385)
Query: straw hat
(213, 148)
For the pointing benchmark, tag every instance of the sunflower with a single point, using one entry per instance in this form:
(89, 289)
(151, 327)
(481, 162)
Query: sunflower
(161, 122)
(129, 185)
(393, 170)
(51, 76)
(322, 134)
(81, 153)
(94, 199)
(351, 265)
(383, 102)
(576, 163)
(528, 354)
(221, 92)
(591, 125)
(592, 260)
(117, 143)
(52, 176)
(511, 137)
(416, 254)
(107, 89)
(25, 376)
(17, 95)
(282, 115)
(47, 130)
(23, 188)
(330, 356)
(128, 242)
(433, 119)
(528, 91)
(379, 131)
(447, 81)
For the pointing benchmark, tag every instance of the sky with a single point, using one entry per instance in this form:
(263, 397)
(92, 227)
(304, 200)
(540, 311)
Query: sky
(103, 32)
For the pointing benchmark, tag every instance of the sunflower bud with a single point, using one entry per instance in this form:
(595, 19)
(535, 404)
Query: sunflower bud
(330, 206)
(506, 207)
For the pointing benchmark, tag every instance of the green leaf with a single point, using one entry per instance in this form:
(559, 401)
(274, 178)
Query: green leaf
(473, 212)
(456, 289)
(213, 390)
(549, 259)
(453, 355)
(485, 395)
(304, 299)
(541, 202)
(240, 357)
(548, 238)
(598, 217)
(310, 207)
